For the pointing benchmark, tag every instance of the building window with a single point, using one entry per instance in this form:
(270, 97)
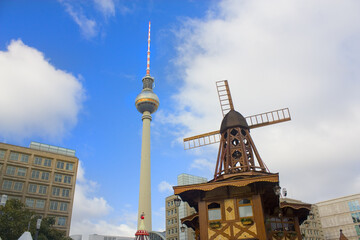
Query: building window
(38, 160)
(280, 224)
(60, 165)
(354, 205)
(2, 154)
(42, 189)
(357, 228)
(214, 211)
(35, 174)
(53, 205)
(7, 185)
(245, 208)
(40, 204)
(61, 221)
(63, 206)
(10, 170)
(29, 202)
(45, 176)
(65, 192)
(356, 217)
(21, 172)
(24, 158)
(67, 179)
(32, 188)
(69, 166)
(55, 191)
(58, 178)
(1, 166)
(18, 186)
(14, 156)
(47, 162)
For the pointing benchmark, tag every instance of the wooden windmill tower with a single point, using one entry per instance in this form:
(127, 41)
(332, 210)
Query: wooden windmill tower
(241, 201)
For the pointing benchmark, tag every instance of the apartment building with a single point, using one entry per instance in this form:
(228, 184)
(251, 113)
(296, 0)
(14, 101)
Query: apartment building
(42, 177)
(340, 213)
(172, 218)
(175, 214)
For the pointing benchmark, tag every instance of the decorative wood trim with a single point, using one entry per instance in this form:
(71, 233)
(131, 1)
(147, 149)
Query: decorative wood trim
(236, 183)
(296, 206)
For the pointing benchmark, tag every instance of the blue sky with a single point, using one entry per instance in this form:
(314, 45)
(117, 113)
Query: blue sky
(71, 70)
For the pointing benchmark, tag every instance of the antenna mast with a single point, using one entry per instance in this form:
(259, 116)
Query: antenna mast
(148, 54)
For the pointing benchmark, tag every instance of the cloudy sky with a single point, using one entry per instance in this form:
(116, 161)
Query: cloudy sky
(71, 70)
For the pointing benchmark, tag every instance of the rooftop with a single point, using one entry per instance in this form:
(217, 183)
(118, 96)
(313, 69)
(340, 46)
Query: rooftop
(52, 149)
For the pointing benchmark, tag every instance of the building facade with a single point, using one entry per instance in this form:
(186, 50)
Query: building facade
(340, 213)
(172, 219)
(311, 228)
(42, 177)
(175, 214)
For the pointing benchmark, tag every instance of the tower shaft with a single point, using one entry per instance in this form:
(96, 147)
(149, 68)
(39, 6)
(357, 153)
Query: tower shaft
(145, 173)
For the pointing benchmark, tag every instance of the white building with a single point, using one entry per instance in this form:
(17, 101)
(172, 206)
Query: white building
(340, 213)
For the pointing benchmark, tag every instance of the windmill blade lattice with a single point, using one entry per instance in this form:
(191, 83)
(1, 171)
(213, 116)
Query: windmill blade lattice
(225, 99)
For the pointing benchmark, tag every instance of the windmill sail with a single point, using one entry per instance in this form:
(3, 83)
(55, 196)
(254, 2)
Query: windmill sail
(254, 121)
(225, 99)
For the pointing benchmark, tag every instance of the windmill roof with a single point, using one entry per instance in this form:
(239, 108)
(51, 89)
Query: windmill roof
(233, 119)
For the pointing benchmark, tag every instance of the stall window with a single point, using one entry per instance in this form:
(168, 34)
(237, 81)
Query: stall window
(214, 211)
(245, 208)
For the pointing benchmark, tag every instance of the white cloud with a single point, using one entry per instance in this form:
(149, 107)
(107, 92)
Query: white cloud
(107, 7)
(165, 187)
(298, 54)
(89, 212)
(36, 99)
(87, 26)
(203, 165)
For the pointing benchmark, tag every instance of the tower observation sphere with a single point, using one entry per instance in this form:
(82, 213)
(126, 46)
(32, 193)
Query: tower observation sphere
(147, 100)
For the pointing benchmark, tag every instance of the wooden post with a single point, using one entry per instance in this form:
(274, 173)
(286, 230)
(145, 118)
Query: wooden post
(259, 216)
(203, 222)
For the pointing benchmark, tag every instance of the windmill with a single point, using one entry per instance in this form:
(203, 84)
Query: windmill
(237, 152)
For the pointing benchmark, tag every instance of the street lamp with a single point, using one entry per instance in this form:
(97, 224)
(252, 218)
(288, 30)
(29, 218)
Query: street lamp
(177, 201)
(38, 225)
(182, 228)
(3, 203)
(277, 189)
(3, 200)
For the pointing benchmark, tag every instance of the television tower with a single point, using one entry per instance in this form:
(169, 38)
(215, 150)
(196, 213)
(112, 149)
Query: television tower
(146, 103)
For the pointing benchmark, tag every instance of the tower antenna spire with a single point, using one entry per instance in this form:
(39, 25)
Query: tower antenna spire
(148, 54)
